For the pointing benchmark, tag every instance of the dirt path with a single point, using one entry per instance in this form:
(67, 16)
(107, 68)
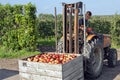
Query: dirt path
(111, 73)
(9, 70)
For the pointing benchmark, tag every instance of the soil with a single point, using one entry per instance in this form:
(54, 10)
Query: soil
(9, 68)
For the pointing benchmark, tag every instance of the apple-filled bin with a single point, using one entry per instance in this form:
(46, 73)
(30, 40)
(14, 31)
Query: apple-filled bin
(52, 66)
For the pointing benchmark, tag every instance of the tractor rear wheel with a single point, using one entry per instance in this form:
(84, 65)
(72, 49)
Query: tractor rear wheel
(112, 58)
(94, 63)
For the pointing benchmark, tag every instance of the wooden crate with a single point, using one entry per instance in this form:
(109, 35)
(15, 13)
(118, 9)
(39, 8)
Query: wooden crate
(72, 70)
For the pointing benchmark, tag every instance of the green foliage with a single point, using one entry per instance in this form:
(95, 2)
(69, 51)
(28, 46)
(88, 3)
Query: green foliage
(48, 17)
(100, 25)
(115, 30)
(59, 25)
(46, 28)
(27, 30)
(17, 9)
(46, 25)
(10, 40)
(18, 27)
(21, 29)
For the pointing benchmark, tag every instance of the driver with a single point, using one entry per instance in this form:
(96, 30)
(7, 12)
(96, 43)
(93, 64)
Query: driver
(87, 17)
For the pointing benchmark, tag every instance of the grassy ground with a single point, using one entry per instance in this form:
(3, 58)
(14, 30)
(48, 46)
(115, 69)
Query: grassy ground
(116, 47)
(47, 41)
(23, 53)
(18, 54)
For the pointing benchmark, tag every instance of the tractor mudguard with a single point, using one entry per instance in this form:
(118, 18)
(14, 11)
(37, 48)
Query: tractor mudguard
(89, 37)
(107, 40)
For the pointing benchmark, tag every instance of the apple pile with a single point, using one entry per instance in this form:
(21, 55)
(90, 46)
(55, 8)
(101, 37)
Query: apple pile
(52, 58)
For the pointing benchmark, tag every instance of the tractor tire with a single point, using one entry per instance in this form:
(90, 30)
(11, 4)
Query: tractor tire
(94, 63)
(112, 58)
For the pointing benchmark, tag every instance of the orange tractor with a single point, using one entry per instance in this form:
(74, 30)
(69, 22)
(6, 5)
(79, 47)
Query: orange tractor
(94, 47)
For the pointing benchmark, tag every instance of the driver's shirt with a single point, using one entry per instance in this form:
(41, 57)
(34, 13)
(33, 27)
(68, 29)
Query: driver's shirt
(81, 22)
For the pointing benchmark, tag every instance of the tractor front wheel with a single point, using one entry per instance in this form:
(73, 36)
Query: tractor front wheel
(112, 58)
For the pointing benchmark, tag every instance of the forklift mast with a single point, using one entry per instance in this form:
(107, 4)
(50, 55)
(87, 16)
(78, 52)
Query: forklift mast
(71, 11)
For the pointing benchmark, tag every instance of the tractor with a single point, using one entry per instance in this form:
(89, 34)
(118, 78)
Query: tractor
(95, 47)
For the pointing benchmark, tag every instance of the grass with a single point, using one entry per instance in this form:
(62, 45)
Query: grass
(47, 41)
(19, 54)
(23, 53)
(116, 47)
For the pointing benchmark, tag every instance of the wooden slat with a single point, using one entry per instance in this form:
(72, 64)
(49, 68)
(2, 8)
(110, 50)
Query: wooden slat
(28, 76)
(77, 74)
(72, 63)
(24, 76)
(38, 77)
